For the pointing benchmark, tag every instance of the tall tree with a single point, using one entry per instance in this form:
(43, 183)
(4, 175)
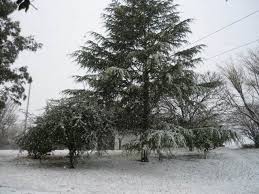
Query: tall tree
(138, 58)
(243, 94)
(12, 43)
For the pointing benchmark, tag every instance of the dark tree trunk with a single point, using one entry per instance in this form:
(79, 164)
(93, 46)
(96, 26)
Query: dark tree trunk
(71, 158)
(205, 155)
(144, 155)
(146, 102)
(35, 157)
(120, 141)
(191, 146)
(160, 155)
(144, 150)
(146, 114)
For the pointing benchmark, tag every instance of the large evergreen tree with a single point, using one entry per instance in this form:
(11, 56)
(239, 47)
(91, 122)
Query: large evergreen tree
(138, 58)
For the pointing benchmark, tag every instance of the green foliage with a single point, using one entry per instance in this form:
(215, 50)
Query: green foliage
(77, 124)
(209, 138)
(36, 141)
(73, 123)
(197, 104)
(200, 108)
(166, 136)
(139, 60)
(140, 36)
(12, 80)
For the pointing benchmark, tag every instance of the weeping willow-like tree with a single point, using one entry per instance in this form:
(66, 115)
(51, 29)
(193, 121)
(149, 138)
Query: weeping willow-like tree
(133, 63)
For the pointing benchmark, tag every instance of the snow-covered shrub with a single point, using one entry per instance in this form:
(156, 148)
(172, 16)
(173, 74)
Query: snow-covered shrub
(77, 124)
(72, 123)
(169, 137)
(36, 141)
(162, 136)
(209, 138)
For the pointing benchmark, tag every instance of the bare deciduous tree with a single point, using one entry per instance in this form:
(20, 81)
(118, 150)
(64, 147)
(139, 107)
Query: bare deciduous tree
(8, 119)
(243, 94)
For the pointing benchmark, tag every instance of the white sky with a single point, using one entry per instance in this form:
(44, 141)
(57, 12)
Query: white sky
(62, 26)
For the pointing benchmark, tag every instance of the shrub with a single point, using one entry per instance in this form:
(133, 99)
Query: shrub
(209, 138)
(36, 141)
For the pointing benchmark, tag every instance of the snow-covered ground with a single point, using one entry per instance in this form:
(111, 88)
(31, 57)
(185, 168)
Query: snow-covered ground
(228, 171)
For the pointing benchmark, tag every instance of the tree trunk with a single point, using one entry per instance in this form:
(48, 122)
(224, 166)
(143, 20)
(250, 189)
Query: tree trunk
(160, 155)
(71, 158)
(146, 102)
(146, 114)
(144, 155)
(120, 141)
(191, 145)
(206, 151)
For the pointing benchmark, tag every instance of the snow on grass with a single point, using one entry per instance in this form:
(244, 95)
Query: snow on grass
(229, 171)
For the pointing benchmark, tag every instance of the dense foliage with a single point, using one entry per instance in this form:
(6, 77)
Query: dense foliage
(202, 109)
(71, 123)
(141, 83)
(12, 43)
(139, 59)
(36, 141)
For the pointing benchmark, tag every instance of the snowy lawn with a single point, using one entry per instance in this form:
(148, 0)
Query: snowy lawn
(229, 171)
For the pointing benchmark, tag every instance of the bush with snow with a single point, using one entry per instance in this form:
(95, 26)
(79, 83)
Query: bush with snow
(69, 123)
(36, 141)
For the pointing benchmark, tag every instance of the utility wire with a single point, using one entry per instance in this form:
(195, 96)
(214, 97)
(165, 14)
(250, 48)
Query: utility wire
(228, 51)
(223, 28)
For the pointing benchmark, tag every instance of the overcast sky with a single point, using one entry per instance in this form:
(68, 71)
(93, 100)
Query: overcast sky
(62, 26)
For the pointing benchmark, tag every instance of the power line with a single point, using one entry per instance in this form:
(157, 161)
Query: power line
(223, 28)
(228, 51)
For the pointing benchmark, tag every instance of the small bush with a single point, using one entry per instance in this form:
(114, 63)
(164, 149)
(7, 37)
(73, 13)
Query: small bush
(206, 139)
(36, 141)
